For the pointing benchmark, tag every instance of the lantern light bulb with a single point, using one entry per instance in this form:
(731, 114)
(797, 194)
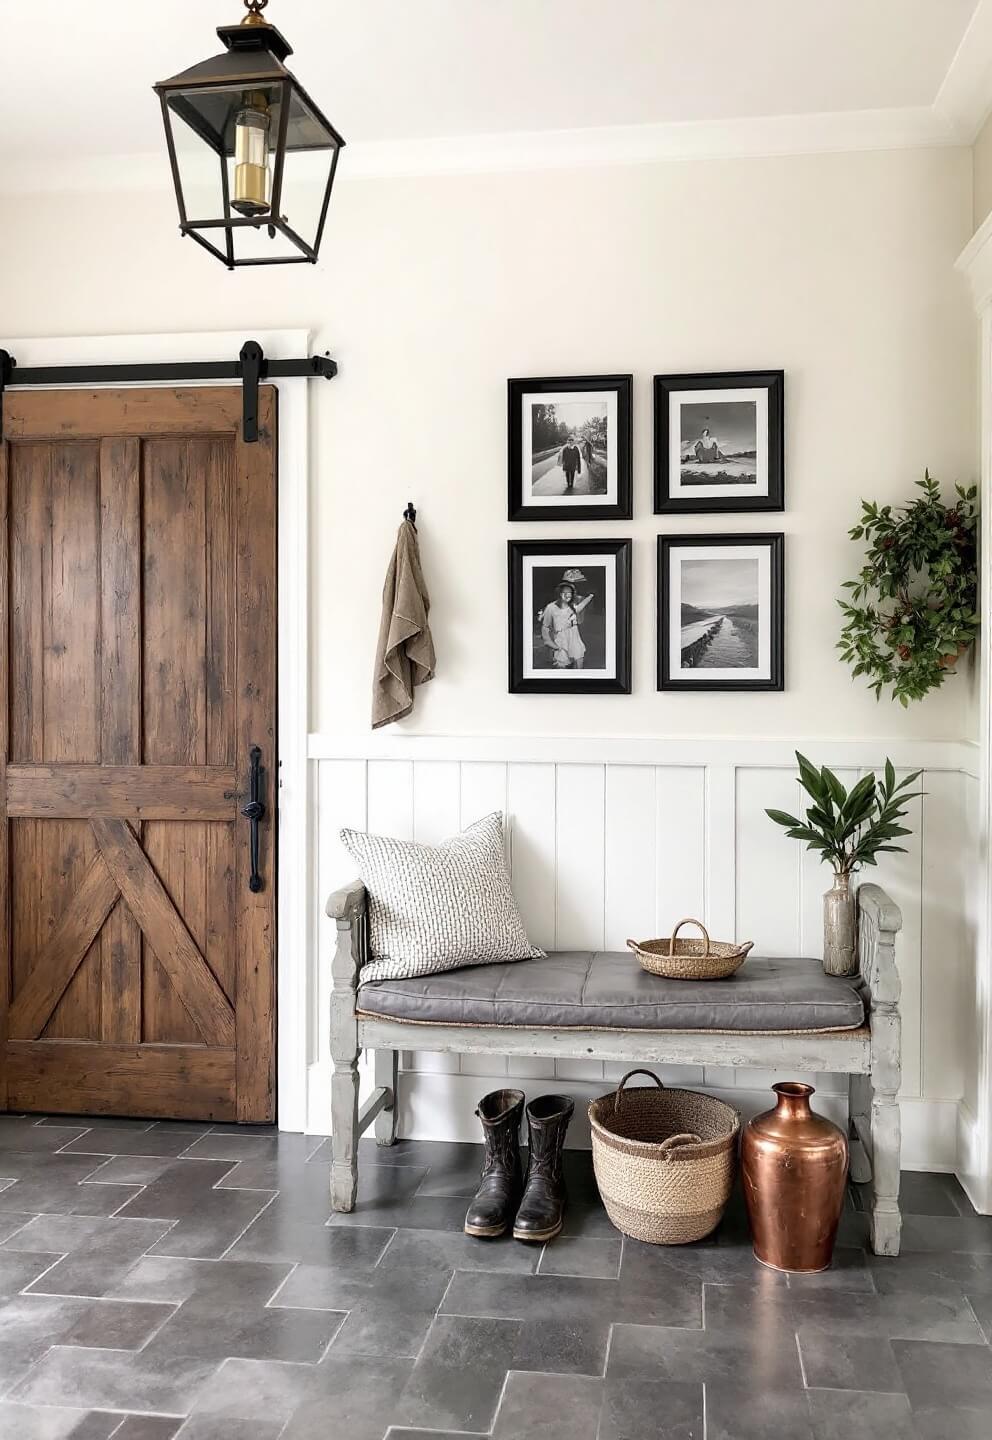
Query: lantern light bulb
(252, 178)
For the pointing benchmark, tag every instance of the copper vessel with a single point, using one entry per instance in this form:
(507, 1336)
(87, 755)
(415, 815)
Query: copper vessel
(794, 1165)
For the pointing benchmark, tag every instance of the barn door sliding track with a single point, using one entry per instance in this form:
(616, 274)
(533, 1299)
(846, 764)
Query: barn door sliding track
(250, 368)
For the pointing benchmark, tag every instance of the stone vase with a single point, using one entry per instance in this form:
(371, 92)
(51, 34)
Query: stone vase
(794, 1166)
(840, 932)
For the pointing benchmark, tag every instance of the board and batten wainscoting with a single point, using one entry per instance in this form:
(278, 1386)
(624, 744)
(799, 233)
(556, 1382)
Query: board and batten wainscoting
(614, 838)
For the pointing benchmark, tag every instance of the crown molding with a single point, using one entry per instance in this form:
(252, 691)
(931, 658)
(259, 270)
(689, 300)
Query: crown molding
(917, 127)
(964, 99)
(975, 264)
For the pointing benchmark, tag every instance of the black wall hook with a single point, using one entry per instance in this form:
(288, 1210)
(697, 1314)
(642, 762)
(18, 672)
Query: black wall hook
(410, 513)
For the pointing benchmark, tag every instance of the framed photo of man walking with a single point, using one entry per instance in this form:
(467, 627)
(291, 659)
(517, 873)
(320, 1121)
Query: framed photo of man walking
(569, 448)
(719, 442)
(569, 617)
(721, 618)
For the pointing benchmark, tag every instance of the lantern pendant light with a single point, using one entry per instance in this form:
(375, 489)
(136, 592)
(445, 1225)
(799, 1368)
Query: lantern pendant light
(253, 158)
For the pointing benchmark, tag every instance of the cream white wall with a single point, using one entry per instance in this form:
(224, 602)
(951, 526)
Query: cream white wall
(432, 291)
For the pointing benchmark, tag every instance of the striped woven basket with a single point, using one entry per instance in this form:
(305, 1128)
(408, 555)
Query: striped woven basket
(664, 1159)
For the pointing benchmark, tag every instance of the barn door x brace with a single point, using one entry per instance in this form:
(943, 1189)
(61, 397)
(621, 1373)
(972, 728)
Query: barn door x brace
(250, 368)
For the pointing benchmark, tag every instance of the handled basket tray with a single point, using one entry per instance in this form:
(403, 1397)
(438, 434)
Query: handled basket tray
(677, 959)
(664, 1159)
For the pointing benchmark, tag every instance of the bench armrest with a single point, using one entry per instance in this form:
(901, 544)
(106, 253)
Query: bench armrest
(879, 922)
(347, 902)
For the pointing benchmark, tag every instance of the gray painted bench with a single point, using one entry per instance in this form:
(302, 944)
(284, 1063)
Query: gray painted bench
(869, 1054)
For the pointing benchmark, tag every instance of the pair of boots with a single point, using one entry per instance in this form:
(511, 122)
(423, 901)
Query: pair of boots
(534, 1207)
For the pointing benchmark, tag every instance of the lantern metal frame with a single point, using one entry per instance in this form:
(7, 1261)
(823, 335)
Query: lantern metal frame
(253, 60)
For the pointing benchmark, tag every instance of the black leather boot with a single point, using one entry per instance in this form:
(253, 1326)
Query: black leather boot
(543, 1205)
(492, 1210)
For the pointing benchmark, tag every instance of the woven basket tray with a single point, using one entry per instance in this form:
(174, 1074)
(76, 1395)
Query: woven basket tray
(664, 1160)
(677, 959)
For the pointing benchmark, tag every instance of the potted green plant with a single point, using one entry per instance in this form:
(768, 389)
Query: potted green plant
(849, 828)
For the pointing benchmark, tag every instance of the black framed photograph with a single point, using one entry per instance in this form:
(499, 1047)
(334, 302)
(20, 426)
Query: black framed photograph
(721, 612)
(569, 447)
(719, 442)
(569, 617)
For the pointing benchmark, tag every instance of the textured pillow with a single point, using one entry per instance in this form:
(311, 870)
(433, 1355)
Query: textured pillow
(438, 907)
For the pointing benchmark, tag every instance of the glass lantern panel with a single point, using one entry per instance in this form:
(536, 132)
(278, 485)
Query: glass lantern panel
(200, 172)
(311, 149)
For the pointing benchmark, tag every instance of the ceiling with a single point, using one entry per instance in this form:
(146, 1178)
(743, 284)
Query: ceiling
(389, 71)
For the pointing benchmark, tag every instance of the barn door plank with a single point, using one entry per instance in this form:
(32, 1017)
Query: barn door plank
(163, 928)
(58, 962)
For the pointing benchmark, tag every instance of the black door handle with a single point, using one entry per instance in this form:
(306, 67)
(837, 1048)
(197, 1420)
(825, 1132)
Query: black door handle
(254, 812)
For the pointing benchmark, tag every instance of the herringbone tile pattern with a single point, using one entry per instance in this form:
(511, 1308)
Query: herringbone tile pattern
(166, 1280)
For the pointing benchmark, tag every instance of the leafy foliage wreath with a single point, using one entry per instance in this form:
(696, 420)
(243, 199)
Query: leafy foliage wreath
(913, 607)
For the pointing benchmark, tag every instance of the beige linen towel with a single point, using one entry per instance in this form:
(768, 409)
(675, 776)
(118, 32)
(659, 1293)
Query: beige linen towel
(404, 656)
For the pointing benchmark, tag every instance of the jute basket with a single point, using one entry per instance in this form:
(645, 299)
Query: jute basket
(664, 1159)
(677, 959)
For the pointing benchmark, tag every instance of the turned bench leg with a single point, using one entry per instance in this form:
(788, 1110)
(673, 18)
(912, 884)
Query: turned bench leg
(886, 1220)
(344, 1134)
(387, 1074)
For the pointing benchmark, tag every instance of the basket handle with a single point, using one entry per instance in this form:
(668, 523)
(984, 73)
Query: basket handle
(689, 921)
(619, 1090)
(674, 1141)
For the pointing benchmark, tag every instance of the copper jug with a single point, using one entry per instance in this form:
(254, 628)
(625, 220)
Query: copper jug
(794, 1165)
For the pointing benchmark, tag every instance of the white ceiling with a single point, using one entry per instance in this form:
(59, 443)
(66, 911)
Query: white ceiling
(77, 77)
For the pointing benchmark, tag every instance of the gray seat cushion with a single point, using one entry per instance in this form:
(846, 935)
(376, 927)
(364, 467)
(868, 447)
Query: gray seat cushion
(590, 990)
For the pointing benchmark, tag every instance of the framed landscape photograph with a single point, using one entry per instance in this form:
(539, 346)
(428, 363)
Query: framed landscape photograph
(721, 623)
(719, 442)
(569, 617)
(569, 448)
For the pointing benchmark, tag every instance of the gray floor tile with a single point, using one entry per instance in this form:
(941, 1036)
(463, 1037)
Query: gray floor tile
(744, 1412)
(18, 1270)
(748, 1357)
(590, 1220)
(108, 1140)
(948, 1422)
(860, 1415)
(147, 1427)
(361, 1394)
(384, 1196)
(905, 1315)
(562, 1297)
(130, 1170)
(581, 1255)
(457, 1176)
(924, 1194)
(652, 1410)
(439, 1250)
(458, 1378)
(278, 1236)
(45, 1422)
(24, 1137)
(115, 1380)
(98, 1252)
(257, 1389)
(549, 1407)
(241, 1147)
(935, 1374)
(838, 1361)
(117, 1325)
(29, 1324)
(849, 1271)
(941, 1232)
(424, 1212)
(210, 1326)
(562, 1347)
(53, 1184)
(209, 1427)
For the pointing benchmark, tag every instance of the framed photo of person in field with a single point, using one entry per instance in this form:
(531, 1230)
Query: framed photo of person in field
(719, 442)
(721, 623)
(569, 617)
(569, 448)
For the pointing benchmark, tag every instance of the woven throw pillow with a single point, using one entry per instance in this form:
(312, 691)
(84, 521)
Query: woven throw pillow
(438, 907)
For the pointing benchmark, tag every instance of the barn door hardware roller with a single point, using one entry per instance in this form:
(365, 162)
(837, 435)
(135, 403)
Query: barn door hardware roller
(251, 368)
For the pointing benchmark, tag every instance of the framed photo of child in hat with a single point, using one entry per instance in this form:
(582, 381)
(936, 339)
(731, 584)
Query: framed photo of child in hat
(569, 617)
(569, 448)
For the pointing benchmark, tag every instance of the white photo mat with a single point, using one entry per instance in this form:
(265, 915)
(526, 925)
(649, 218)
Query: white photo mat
(528, 611)
(693, 553)
(678, 398)
(567, 397)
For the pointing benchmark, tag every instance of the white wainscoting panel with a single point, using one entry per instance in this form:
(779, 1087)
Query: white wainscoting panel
(632, 843)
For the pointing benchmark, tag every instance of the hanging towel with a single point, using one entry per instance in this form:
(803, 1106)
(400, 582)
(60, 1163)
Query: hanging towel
(404, 656)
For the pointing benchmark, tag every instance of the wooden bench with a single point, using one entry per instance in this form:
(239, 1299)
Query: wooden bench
(868, 1054)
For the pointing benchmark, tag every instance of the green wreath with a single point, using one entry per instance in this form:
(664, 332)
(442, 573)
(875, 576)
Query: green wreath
(913, 611)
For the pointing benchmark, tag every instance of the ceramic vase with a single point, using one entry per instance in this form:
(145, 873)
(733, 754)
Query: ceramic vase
(840, 933)
(794, 1166)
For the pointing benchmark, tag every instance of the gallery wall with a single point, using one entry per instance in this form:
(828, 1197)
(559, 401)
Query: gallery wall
(432, 291)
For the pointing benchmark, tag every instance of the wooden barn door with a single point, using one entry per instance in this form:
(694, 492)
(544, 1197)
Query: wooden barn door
(138, 597)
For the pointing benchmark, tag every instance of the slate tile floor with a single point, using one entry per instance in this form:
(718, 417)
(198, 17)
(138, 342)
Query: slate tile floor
(183, 1282)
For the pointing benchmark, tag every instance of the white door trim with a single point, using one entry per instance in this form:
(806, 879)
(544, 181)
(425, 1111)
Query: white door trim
(295, 820)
